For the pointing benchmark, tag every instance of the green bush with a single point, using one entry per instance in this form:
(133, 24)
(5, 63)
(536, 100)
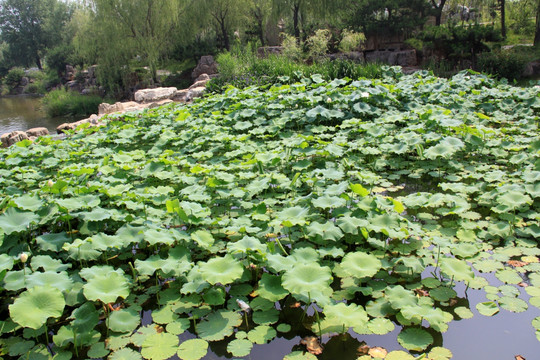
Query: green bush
(14, 77)
(62, 102)
(351, 41)
(502, 64)
(317, 44)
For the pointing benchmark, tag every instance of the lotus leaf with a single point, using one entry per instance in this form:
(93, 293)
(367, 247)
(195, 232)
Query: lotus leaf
(240, 347)
(513, 304)
(414, 339)
(159, 346)
(124, 320)
(193, 349)
(440, 353)
(223, 270)
(60, 281)
(399, 355)
(97, 351)
(218, 325)
(463, 312)
(360, 264)
(203, 238)
(270, 288)
(262, 334)
(488, 308)
(300, 355)
(33, 307)
(308, 280)
(381, 326)
(178, 327)
(457, 269)
(14, 220)
(106, 288)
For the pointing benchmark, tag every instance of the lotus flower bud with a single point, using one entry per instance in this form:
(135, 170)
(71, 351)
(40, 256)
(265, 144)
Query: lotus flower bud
(23, 257)
(245, 307)
(50, 183)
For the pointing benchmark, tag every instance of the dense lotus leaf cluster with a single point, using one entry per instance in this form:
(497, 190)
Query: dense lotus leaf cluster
(350, 206)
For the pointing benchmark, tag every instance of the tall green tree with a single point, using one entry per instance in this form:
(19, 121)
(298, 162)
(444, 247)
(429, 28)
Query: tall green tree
(438, 7)
(30, 27)
(537, 31)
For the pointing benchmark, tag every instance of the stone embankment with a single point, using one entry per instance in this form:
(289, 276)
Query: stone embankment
(144, 99)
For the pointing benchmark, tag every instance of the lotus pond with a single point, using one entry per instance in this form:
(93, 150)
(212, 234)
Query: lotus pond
(323, 211)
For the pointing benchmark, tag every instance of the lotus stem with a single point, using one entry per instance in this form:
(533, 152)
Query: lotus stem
(246, 319)
(75, 343)
(133, 273)
(281, 246)
(319, 322)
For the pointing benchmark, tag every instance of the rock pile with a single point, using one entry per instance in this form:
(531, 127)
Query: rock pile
(16, 136)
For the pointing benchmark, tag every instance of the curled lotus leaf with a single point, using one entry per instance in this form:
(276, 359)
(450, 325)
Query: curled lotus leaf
(514, 199)
(33, 307)
(106, 288)
(340, 317)
(14, 220)
(305, 278)
(223, 270)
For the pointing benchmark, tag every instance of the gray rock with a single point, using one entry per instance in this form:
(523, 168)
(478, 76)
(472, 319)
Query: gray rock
(24, 81)
(13, 137)
(532, 69)
(195, 93)
(153, 95)
(105, 108)
(206, 65)
(200, 83)
(402, 57)
(180, 95)
(202, 77)
(37, 132)
(265, 51)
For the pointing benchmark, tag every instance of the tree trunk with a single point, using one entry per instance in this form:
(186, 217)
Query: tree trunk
(38, 62)
(537, 32)
(296, 16)
(502, 4)
(225, 35)
(438, 11)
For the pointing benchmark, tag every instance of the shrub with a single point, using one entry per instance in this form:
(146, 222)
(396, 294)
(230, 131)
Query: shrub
(502, 64)
(351, 41)
(291, 48)
(317, 44)
(14, 77)
(62, 102)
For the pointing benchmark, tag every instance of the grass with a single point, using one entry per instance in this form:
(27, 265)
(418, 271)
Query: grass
(62, 102)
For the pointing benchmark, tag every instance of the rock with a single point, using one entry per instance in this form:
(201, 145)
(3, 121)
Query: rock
(93, 120)
(206, 65)
(200, 83)
(180, 95)
(195, 93)
(159, 103)
(105, 108)
(37, 132)
(202, 77)
(532, 69)
(402, 57)
(24, 81)
(92, 71)
(73, 85)
(13, 137)
(153, 95)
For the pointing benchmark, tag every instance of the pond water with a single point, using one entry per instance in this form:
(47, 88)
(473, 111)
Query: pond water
(25, 112)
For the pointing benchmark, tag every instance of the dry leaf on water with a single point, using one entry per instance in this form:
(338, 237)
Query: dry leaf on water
(378, 352)
(312, 345)
(517, 263)
(519, 357)
(421, 292)
(295, 305)
(363, 349)
(523, 284)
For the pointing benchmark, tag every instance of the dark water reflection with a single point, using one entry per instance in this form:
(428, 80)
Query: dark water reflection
(25, 112)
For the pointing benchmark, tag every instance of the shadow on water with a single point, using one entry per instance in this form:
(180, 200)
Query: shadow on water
(25, 112)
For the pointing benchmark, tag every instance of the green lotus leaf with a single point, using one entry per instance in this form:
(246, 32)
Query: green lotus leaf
(159, 346)
(52, 242)
(381, 326)
(223, 270)
(415, 339)
(293, 216)
(97, 351)
(240, 347)
(218, 325)
(328, 202)
(97, 214)
(203, 238)
(142, 333)
(247, 244)
(508, 276)
(300, 355)
(6, 262)
(442, 293)
(60, 281)
(514, 199)
(399, 355)
(440, 353)
(125, 354)
(47, 263)
(458, 269)
(14, 220)
(463, 312)
(88, 273)
(340, 317)
(513, 304)
(284, 328)
(214, 296)
(268, 317)
(384, 223)
(350, 225)
(106, 288)
(324, 231)
(399, 297)
(33, 307)
(124, 320)
(193, 349)
(262, 334)
(360, 264)
(81, 250)
(85, 318)
(178, 327)
(442, 150)
(21, 347)
(27, 202)
(488, 308)
(270, 288)
(488, 265)
(307, 280)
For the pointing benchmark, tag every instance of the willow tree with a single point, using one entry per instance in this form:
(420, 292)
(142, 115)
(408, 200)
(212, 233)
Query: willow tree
(138, 27)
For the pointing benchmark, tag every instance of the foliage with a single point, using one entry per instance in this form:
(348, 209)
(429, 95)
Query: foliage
(14, 77)
(63, 102)
(502, 64)
(351, 41)
(291, 48)
(317, 43)
(324, 206)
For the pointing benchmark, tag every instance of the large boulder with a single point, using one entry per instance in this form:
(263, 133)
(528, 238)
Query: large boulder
(532, 69)
(13, 137)
(119, 107)
(37, 132)
(93, 120)
(206, 65)
(401, 57)
(153, 95)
